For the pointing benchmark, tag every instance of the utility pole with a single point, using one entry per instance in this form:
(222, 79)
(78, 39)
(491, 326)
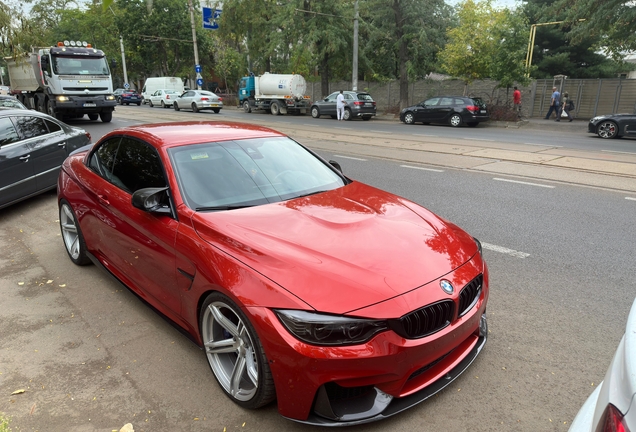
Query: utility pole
(354, 75)
(194, 41)
(123, 58)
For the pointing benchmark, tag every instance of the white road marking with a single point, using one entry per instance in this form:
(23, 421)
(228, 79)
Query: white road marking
(340, 127)
(422, 168)
(522, 182)
(350, 157)
(543, 145)
(504, 250)
(630, 198)
(621, 152)
(425, 135)
(481, 139)
(377, 131)
(307, 124)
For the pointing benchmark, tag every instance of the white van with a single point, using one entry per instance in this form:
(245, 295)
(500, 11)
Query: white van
(160, 83)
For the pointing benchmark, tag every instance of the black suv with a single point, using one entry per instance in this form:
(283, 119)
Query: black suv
(454, 110)
(358, 104)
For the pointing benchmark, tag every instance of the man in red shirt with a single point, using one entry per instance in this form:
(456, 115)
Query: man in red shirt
(516, 101)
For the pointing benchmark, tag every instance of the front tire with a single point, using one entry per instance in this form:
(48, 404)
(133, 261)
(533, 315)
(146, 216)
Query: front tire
(235, 353)
(195, 109)
(409, 118)
(315, 112)
(175, 106)
(150, 104)
(72, 235)
(106, 116)
(455, 120)
(607, 129)
(247, 107)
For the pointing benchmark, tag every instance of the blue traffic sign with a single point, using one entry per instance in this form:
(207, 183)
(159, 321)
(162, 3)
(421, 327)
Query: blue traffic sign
(200, 82)
(210, 17)
(197, 68)
(126, 85)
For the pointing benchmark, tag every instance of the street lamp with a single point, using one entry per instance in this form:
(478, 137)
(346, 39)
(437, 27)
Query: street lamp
(194, 41)
(533, 32)
(354, 74)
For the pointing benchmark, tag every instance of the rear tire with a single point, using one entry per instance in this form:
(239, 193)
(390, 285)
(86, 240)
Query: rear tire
(366, 118)
(93, 116)
(472, 124)
(216, 110)
(347, 114)
(455, 120)
(195, 109)
(163, 105)
(315, 112)
(274, 108)
(72, 235)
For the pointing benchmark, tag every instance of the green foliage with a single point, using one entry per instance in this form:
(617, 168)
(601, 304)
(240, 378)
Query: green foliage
(4, 423)
(487, 43)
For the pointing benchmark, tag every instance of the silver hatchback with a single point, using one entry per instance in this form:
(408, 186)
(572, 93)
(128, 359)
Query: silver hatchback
(358, 105)
(198, 100)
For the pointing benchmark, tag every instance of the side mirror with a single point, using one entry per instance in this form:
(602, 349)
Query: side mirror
(336, 165)
(152, 200)
(326, 99)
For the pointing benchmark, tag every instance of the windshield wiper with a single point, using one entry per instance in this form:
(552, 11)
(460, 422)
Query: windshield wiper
(310, 193)
(221, 208)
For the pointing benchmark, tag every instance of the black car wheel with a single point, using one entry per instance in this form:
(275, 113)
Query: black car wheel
(175, 106)
(93, 116)
(247, 107)
(234, 353)
(607, 129)
(409, 118)
(315, 112)
(163, 104)
(366, 118)
(347, 114)
(150, 104)
(106, 117)
(195, 108)
(216, 110)
(472, 124)
(455, 120)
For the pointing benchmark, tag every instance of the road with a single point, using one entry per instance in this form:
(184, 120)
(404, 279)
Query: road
(92, 357)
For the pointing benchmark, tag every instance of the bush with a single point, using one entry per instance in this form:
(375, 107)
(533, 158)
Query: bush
(502, 113)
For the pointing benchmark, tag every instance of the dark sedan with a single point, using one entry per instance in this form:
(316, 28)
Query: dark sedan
(453, 110)
(32, 148)
(129, 97)
(613, 125)
(358, 105)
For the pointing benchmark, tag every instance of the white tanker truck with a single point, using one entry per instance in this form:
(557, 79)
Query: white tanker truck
(276, 93)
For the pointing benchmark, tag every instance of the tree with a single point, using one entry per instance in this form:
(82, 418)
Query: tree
(487, 43)
(609, 23)
(404, 38)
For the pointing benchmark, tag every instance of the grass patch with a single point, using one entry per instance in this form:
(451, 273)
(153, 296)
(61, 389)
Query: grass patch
(4, 423)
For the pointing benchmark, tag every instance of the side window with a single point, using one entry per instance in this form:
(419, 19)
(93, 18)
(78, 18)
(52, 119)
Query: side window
(446, 102)
(460, 102)
(8, 134)
(432, 101)
(103, 158)
(347, 96)
(30, 127)
(138, 166)
(332, 97)
(53, 127)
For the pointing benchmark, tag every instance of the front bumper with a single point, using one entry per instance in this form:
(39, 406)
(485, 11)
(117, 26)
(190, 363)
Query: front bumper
(346, 385)
(86, 104)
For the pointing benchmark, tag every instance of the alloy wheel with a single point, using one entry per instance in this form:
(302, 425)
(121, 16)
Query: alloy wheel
(607, 129)
(69, 232)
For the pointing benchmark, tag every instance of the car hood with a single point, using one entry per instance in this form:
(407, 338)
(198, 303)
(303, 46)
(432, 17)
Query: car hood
(341, 250)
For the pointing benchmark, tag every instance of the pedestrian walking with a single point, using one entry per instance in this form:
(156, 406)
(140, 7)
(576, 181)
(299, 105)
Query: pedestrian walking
(340, 106)
(565, 107)
(554, 103)
(516, 101)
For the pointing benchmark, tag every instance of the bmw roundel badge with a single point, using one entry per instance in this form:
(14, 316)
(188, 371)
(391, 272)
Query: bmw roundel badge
(446, 286)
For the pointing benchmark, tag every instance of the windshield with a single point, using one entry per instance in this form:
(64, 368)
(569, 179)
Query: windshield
(216, 176)
(80, 66)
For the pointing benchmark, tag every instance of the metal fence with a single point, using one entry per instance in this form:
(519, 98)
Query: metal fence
(591, 96)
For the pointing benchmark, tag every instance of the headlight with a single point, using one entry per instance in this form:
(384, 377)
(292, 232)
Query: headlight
(597, 118)
(110, 97)
(62, 98)
(321, 329)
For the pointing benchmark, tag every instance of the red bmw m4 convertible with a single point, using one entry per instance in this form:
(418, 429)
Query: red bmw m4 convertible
(344, 303)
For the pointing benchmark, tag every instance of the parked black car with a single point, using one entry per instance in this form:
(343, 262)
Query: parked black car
(32, 148)
(359, 104)
(453, 110)
(613, 125)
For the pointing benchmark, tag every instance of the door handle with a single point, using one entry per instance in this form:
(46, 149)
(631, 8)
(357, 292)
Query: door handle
(103, 199)
(25, 158)
(62, 144)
